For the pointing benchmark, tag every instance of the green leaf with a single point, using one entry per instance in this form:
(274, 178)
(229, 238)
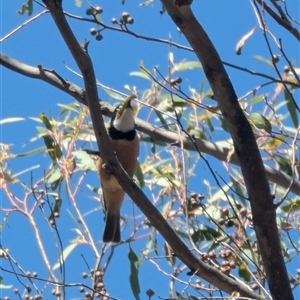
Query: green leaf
(2, 286)
(53, 149)
(27, 6)
(179, 297)
(171, 57)
(215, 245)
(3, 223)
(85, 160)
(56, 208)
(133, 277)
(275, 142)
(54, 176)
(46, 122)
(188, 65)
(150, 140)
(297, 70)
(139, 175)
(96, 190)
(208, 234)
(294, 206)
(70, 107)
(180, 102)
(166, 102)
(257, 99)
(210, 125)
(167, 179)
(144, 69)
(76, 222)
(224, 124)
(155, 246)
(241, 43)
(169, 255)
(291, 108)
(285, 165)
(32, 152)
(143, 3)
(260, 122)
(238, 190)
(140, 74)
(11, 120)
(264, 60)
(78, 3)
(244, 273)
(219, 194)
(148, 247)
(29, 169)
(162, 120)
(112, 93)
(62, 258)
(210, 95)
(197, 132)
(182, 234)
(202, 85)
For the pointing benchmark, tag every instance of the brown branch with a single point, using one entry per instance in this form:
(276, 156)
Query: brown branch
(45, 75)
(156, 134)
(207, 272)
(263, 209)
(284, 22)
(86, 67)
(178, 46)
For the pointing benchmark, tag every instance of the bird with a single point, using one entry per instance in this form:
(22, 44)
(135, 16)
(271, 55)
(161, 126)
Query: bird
(125, 144)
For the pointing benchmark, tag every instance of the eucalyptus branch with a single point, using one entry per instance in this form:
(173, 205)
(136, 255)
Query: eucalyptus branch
(156, 133)
(181, 250)
(265, 31)
(283, 21)
(125, 30)
(41, 247)
(23, 25)
(263, 209)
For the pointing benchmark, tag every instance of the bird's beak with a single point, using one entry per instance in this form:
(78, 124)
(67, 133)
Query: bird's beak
(124, 105)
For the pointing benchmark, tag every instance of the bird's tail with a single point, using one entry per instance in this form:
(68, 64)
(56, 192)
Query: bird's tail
(112, 231)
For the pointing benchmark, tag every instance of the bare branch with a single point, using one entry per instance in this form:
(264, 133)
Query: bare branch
(180, 249)
(263, 209)
(157, 134)
(283, 21)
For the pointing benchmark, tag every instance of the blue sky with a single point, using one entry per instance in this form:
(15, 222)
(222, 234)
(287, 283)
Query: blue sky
(114, 58)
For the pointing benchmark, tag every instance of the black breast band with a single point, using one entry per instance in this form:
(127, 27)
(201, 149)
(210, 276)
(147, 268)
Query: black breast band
(116, 134)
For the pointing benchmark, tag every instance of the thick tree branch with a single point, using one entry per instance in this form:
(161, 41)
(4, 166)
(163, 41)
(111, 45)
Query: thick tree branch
(46, 75)
(157, 134)
(280, 19)
(207, 272)
(263, 209)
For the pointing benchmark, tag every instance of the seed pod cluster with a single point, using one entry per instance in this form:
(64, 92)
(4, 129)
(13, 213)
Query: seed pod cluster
(150, 293)
(99, 287)
(125, 19)
(176, 81)
(96, 33)
(99, 36)
(275, 58)
(94, 10)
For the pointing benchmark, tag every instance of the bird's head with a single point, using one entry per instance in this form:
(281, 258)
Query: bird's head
(123, 118)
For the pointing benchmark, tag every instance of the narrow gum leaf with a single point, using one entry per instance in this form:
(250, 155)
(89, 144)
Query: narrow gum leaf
(242, 41)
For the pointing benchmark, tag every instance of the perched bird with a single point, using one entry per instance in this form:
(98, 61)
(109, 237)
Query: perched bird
(125, 143)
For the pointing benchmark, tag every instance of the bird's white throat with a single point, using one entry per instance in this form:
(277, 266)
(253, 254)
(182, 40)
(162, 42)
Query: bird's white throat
(126, 121)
